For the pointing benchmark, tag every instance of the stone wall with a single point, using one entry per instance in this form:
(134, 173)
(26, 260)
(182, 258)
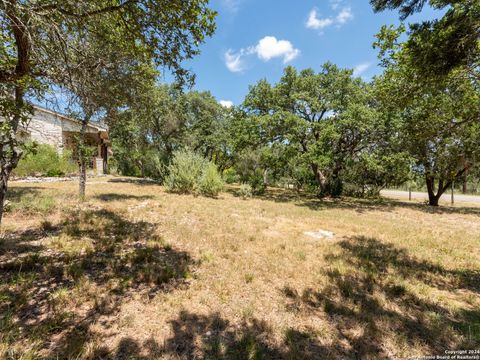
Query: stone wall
(47, 127)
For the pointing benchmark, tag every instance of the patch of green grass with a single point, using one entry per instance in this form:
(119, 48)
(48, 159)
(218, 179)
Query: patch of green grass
(32, 204)
(301, 255)
(249, 278)
(470, 325)
(52, 324)
(247, 347)
(70, 245)
(59, 298)
(207, 257)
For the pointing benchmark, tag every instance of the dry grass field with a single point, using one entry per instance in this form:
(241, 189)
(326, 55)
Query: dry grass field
(138, 273)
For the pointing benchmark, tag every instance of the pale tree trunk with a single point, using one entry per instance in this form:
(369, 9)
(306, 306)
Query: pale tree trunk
(320, 178)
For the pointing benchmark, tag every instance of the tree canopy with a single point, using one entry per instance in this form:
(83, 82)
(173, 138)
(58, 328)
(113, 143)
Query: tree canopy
(441, 45)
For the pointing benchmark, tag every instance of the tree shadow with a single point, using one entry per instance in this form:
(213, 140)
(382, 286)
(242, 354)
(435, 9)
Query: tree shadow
(15, 194)
(359, 205)
(136, 181)
(87, 268)
(209, 336)
(121, 197)
(16, 243)
(370, 303)
(383, 204)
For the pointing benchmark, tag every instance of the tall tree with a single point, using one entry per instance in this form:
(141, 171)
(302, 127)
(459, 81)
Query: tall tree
(36, 47)
(102, 75)
(307, 113)
(440, 116)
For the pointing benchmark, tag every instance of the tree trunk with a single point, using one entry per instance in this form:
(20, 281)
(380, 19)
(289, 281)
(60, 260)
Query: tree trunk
(82, 160)
(464, 187)
(320, 178)
(3, 192)
(433, 201)
(432, 197)
(10, 152)
(265, 177)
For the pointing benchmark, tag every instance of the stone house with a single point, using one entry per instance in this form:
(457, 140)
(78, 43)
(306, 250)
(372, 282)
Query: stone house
(59, 131)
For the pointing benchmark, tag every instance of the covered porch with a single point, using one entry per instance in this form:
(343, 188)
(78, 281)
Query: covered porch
(98, 141)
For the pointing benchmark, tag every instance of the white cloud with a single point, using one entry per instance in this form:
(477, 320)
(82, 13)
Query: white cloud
(231, 5)
(233, 61)
(361, 68)
(314, 22)
(317, 23)
(269, 47)
(226, 103)
(344, 15)
(335, 4)
(266, 49)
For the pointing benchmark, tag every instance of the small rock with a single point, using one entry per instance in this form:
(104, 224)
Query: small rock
(321, 234)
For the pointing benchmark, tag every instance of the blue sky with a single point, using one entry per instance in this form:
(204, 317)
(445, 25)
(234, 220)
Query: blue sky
(256, 39)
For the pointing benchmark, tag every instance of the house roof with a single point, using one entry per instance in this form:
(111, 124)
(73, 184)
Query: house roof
(94, 125)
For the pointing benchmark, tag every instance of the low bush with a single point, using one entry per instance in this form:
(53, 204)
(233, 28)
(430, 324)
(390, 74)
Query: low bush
(245, 191)
(211, 182)
(257, 183)
(230, 176)
(184, 172)
(44, 160)
(189, 173)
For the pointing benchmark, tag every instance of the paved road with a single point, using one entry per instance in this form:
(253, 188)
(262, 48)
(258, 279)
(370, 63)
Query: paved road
(397, 194)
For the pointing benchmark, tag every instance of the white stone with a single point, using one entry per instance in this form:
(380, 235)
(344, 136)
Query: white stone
(321, 234)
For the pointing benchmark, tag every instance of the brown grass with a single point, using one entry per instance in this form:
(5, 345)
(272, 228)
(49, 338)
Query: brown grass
(138, 273)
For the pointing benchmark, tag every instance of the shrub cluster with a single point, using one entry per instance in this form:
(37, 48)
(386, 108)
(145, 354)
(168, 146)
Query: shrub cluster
(189, 173)
(245, 191)
(44, 160)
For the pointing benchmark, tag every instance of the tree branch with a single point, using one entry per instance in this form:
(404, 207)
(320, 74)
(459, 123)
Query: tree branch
(107, 9)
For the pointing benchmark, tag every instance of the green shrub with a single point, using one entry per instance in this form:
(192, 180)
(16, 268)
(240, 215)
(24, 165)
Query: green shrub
(211, 182)
(189, 173)
(44, 160)
(245, 191)
(256, 182)
(230, 176)
(184, 172)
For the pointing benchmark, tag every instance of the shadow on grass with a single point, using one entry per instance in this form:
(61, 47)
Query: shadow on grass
(375, 301)
(15, 194)
(360, 205)
(121, 197)
(86, 268)
(136, 181)
(210, 336)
